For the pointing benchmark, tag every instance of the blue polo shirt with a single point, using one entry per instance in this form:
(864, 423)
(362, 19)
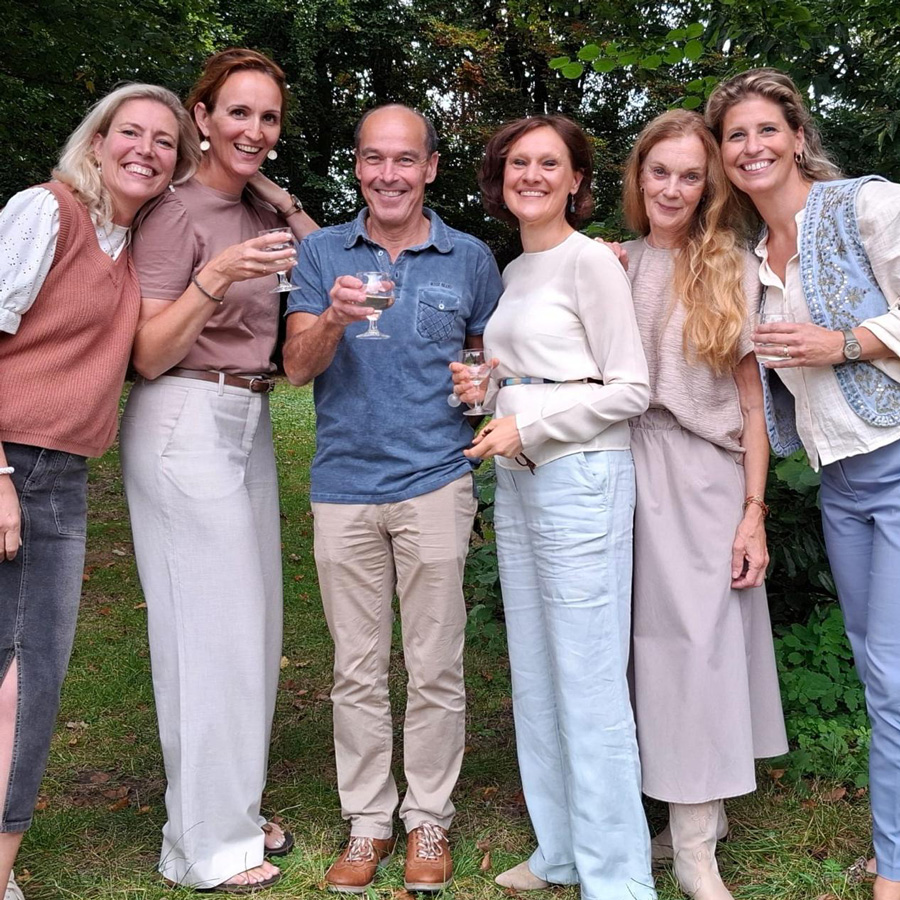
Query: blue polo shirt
(384, 429)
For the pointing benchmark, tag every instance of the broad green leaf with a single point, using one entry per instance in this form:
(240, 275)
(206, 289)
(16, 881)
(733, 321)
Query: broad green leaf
(691, 102)
(628, 57)
(674, 55)
(677, 34)
(589, 52)
(694, 30)
(693, 49)
(651, 62)
(572, 70)
(604, 65)
(558, 62)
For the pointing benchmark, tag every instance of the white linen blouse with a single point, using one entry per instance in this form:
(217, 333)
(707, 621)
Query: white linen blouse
(829, 428)
(29, 227)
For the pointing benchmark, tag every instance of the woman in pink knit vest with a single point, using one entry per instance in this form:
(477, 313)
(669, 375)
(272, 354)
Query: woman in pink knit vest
(64, 262)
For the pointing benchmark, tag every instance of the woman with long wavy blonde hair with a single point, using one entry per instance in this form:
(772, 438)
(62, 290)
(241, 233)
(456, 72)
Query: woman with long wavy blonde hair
(705, 687)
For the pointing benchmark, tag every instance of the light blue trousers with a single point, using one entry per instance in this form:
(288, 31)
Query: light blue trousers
(861, 519)
(564, 537)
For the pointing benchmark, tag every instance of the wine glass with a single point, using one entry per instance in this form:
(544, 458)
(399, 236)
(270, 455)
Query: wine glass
(478, 362)
(767, 355)
(379, 290)
(283, 284)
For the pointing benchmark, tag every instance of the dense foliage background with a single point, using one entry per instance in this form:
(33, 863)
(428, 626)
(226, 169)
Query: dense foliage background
(471, 65)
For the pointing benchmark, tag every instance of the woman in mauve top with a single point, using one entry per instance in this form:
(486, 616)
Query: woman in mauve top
(200, 477)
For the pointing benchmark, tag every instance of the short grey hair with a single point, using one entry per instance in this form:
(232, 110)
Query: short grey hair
(431, 137)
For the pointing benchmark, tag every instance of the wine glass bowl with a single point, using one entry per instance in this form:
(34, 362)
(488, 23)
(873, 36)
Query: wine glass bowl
(283, 285)
(768, 355)
(478, 362)
(379, 288)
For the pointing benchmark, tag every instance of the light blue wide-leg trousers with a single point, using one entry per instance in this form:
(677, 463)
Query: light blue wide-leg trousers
(564, 540)
(861, 520)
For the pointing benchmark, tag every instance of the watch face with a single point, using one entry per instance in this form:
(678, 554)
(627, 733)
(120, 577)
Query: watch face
(852, 348)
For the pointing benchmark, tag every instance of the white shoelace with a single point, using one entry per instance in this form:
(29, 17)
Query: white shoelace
(360, 849)
(430, 837)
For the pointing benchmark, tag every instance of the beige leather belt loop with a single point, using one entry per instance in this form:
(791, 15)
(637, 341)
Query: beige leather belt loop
(256, 384)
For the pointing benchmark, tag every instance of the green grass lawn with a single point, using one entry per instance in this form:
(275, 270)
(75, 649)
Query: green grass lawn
(96, 834)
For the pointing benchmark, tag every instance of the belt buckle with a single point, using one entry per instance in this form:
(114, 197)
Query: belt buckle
(260, 385)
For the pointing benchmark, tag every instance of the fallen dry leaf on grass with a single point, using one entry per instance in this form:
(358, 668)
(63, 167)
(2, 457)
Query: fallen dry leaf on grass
(833, 796)
(485, 864)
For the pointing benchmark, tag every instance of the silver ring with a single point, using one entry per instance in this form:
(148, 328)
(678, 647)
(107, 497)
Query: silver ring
(785, 352)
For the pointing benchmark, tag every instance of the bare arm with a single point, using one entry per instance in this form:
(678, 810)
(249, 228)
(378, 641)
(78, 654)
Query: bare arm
(312, 340)
(10, 515)
(750, 556)
(299, 222)
(167, 329)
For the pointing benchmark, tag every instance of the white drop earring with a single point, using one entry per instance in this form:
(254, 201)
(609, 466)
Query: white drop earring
(204, 144)
(272, 154)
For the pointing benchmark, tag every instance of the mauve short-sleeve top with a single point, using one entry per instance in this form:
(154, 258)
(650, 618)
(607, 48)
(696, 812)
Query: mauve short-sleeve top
(189, 226)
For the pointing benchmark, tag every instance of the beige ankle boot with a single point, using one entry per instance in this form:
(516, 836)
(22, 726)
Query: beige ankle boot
(521, 878)
(694, 827)
(661, 844)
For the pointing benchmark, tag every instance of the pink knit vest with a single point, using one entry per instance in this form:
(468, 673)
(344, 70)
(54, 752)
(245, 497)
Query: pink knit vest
(61, 374)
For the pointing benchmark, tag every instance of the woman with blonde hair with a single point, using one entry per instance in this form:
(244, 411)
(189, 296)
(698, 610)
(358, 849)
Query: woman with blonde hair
(69, 301)
(830, 266)
(705, 686)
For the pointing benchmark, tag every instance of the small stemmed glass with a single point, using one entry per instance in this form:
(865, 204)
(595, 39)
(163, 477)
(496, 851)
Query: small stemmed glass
(379, 290)
(478, 362)
(283, 284)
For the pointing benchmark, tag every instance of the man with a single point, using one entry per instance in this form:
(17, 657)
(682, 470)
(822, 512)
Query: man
(391, 491)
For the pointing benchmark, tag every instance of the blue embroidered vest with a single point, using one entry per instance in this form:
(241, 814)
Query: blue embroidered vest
(841, 291)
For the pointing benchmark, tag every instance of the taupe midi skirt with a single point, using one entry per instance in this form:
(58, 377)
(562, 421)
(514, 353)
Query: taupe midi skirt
(705, 687)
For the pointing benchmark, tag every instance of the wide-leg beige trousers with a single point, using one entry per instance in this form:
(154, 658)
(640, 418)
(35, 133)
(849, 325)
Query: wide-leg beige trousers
(362, 553)
(202, 490)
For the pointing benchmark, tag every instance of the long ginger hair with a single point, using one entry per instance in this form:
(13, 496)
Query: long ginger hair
(709, 269)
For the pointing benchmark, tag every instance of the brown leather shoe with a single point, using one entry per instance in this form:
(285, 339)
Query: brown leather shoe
(429, 866)
(355, 869)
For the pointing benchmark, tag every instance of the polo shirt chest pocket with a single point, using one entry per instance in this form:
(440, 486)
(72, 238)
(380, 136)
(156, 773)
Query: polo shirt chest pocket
(436, 314)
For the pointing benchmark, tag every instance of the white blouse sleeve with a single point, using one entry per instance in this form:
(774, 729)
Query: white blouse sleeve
(29, 226)
(605, 307)
(878, 206)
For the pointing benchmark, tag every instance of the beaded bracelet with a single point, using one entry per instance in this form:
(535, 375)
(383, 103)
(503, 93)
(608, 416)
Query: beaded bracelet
(204, 291)
(759, 502)
(7, 470)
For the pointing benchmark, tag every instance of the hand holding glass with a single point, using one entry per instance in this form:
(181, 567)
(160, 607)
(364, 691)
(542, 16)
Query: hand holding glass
(283, 284)
(379, 290)
(766, 355)
(478, 362)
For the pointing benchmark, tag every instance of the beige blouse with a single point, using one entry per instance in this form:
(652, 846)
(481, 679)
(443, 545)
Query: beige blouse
(703, 403)
(828, 427)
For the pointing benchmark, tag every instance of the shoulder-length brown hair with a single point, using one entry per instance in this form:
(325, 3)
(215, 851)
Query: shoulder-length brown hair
(709, 269)
(220, 65)
(581, 153)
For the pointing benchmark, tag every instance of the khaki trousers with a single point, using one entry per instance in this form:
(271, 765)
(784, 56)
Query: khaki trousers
(363, 554)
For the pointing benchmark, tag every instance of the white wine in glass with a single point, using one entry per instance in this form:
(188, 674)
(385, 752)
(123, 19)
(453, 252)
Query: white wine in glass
(283, 285)
(478, 362)
(379, 296)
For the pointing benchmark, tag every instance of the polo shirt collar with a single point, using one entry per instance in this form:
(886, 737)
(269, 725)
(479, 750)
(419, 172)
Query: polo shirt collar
(438, 234)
